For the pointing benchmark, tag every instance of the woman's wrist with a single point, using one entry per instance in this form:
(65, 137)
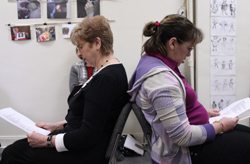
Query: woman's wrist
(53, 141)
(218, 127)
(50, 142)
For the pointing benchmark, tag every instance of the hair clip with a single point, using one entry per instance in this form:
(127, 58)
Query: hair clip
(156, 24)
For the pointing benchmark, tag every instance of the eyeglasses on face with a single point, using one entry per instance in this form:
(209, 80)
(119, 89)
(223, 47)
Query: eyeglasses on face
(79, 47)
(188, 47)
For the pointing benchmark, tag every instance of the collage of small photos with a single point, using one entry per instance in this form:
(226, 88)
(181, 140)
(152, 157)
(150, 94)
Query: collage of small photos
(56, 9)
(223, 53)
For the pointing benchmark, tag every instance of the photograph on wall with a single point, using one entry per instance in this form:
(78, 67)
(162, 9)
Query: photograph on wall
(223, 65)
(20, 33)
(223, 45)
(221, 102)
(66, 30)
(223, 26)
(223, 7)
(88, 8)
(58, 9)
(222, 85)
(28, 9)
(45, 33)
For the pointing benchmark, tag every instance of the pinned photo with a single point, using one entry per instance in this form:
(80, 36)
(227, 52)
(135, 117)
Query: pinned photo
(88, 8)
(58, 9)
(28, 9)
(45, 33)
(20, 32)
(66, 30)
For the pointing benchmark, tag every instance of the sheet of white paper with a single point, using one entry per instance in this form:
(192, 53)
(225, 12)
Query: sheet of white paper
(239, 108)
(244, 115)
(21, 121)
(130, 144)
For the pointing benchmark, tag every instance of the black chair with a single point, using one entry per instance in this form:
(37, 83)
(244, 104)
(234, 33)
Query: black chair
(146, 127)
(113, 143)
(110, 154)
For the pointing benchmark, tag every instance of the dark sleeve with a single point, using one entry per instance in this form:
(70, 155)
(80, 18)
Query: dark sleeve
(98, 102)
(73, 78)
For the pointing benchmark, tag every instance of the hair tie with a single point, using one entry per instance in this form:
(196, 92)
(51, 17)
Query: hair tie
(157, 24)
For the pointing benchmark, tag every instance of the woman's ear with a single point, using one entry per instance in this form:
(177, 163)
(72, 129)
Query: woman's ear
(98, 42)
(172, 43)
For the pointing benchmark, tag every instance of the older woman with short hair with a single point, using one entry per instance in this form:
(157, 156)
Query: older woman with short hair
(93, 108)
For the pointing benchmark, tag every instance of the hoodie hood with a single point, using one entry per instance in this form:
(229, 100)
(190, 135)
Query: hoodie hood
(147, 67)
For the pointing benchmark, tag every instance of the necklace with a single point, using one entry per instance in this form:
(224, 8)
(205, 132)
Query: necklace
(104, 63)
(107, 60)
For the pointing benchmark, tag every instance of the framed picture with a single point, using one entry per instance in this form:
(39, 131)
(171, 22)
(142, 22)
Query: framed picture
(20, 33)
(58, 9)
(88, 8)
(66, 30)
(45, 33)
(28, 9)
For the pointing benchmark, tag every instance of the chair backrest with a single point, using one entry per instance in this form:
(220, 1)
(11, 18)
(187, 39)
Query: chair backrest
(117, 132)
(146, 127)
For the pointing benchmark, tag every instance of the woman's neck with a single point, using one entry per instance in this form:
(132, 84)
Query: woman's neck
(106, 60)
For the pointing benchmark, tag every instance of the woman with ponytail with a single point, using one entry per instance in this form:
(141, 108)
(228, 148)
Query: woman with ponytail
(181, 132)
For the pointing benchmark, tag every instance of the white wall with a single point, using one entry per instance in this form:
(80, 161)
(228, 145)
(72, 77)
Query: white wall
(34, 76)
(242, 52)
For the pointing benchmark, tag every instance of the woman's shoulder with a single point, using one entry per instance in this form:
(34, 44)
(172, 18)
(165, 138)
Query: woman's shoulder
(114, 71)
(114, 68)
(163, 77)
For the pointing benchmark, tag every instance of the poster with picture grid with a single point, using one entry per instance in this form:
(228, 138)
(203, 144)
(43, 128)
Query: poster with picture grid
(223, 61)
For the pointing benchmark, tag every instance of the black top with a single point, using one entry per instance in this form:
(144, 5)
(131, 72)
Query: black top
(93, 112)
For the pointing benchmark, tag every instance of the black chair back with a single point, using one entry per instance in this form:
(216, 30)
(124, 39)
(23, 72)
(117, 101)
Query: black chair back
(146, 127)
(117, 132)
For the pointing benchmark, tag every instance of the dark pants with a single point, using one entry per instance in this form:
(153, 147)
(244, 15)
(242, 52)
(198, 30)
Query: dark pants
(232, 147)
(21, 153)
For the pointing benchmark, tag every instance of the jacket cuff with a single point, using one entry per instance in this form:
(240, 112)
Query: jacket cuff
(59, 144)
(210, 132)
